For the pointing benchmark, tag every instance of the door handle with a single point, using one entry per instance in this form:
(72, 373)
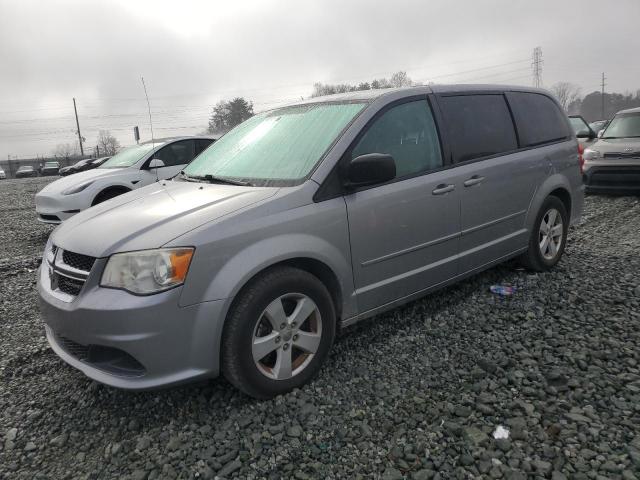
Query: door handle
(443, 188)
(475, 180)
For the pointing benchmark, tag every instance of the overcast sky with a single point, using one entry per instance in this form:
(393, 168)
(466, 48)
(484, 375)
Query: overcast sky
(194, 53)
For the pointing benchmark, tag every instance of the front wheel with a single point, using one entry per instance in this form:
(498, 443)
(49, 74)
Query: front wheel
(548, 236)
(278, 332)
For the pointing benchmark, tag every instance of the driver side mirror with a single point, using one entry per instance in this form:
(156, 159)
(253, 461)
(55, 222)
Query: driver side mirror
(586, 134)
(600, 133)
(370, 169)
(155, 163)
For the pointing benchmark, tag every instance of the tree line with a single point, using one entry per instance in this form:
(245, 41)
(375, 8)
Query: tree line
(226, 114)
(590, 106)
(106, 146)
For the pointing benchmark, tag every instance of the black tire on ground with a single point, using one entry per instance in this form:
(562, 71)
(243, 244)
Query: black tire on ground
(533, 258)
(238, 364)
(108, 195)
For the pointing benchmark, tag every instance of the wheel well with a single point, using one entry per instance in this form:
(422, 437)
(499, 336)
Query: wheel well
(565, 198)
(118, 189)
(319, 270)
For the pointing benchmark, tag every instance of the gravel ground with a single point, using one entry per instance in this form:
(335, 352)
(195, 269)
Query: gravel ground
(416, 393)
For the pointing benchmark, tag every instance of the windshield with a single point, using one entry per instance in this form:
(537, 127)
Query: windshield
(128, 156)
(51, 164)
(578, 125)
(626, 125)
(279, 147)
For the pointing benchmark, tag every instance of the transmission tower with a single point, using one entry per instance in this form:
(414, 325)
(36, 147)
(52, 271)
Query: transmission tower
(536, 66)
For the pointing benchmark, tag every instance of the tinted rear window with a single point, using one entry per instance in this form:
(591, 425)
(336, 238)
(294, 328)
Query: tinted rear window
(478, 126)
(538, 117)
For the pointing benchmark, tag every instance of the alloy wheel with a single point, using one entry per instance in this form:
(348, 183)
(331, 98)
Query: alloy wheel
(550, 234)
(286, 336)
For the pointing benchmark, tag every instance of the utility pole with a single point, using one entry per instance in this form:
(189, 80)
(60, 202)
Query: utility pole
(536, 65)
(602, 96)
(78, 125)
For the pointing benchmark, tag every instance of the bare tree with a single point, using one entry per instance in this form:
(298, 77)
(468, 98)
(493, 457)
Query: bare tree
(107, 143)
(567, 93)
(65, 150)
(400, 79)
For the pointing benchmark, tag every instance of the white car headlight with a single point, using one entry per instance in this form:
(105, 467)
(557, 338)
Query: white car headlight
(147, 271)
(590, 154)
(76, 188)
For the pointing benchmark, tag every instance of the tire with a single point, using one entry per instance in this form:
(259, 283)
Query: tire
(540, 256)
(254, 326)
(108, 195)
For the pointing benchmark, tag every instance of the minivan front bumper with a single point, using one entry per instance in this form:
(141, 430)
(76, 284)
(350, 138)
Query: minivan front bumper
(132, 342)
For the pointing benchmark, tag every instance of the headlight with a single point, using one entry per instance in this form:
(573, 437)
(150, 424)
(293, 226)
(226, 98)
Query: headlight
(147, 271)
(49, 253)
(591, 154)
(77, 188)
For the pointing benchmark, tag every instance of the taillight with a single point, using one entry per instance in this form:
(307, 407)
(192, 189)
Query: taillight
(581, 157)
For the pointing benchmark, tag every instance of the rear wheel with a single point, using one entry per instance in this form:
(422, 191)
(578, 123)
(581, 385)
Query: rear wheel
(548, 236)
(278, 333)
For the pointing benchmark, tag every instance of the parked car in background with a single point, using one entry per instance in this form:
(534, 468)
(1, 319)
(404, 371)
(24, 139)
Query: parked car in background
(50, 168)
(2, 174)
(82, 165)
(69, 169)
(26, 171)
(583, 132)
(599, 125)
(129, 169)
(301, 219)
(612, 164)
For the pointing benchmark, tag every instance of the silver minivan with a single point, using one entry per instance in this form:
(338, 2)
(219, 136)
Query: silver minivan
(303, 219)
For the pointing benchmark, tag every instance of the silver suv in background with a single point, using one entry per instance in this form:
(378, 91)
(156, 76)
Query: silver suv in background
(612, 164)
(303, 218)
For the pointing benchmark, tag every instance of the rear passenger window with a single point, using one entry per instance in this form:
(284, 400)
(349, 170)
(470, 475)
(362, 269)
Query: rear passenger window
(408, 133)
(478, 126)
(538, 117)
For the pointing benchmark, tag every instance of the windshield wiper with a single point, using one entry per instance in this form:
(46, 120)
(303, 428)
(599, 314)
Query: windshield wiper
(213, 179)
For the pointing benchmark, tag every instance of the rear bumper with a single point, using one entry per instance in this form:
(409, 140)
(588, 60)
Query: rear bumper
(128, 341)
(619, 179)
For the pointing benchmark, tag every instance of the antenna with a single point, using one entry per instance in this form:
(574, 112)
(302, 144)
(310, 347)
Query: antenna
(153, 143)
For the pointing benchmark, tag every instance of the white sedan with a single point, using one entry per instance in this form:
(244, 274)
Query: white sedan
(131, 168)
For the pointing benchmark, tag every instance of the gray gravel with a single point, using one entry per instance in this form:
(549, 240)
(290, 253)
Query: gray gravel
(416, 393)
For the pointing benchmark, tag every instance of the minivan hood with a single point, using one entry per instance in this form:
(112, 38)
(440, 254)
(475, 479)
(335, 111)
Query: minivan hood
(152, 216)
(63, 184)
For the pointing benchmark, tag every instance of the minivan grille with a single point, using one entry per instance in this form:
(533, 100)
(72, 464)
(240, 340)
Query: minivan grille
(68, 271)
(78, 261)
(68, 285)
